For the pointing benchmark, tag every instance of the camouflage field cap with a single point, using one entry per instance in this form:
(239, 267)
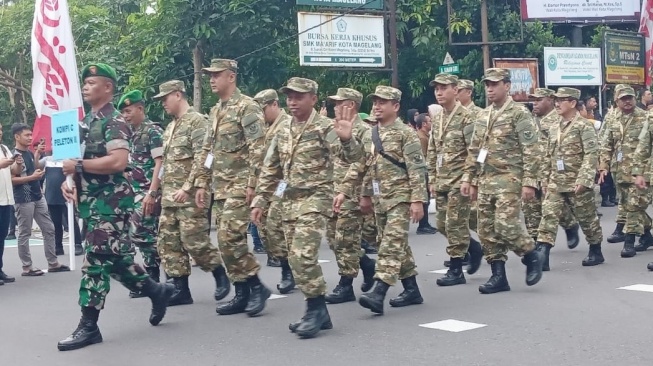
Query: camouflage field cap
(444, 79)
(221, 64)
(266, 96)
(347, 94)
(542, 93)
(567, 93)
(465, 84)
(624, 90)
(170, 87)
(130, 98)
(99, 69)
(496, 74)
(300, 85)
(387, 93)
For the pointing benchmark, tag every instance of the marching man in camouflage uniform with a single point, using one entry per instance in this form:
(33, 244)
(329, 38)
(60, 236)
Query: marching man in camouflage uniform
(643, 170)
(464, 96)
(145, 160)
(234, 149)
(503, 162)
(272, 230)
(345, 227)
(568, 179)
(104, 199)
(450, 137)
(183, 227)
(618, 143)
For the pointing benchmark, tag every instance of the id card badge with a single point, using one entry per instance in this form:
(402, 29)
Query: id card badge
(208, 163)
(376, 187)
(161, 173)
(440, 161)
(281, 188)
(560, 164)
(482, 155)
(620, 156)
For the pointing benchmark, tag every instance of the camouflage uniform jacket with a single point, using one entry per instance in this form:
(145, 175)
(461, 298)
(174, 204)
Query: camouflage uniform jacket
(147, 145)
(183, 158)
(511, 144)
(574, 143)
(448, 143)
(545, 123)
(619, 140)
(473, 109)
(237, 141)
(271, 132)
(642, 162)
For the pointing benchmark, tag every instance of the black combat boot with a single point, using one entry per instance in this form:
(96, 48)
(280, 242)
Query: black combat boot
(154, 275)
(374, 300)
(287, 283)
(258, 295)
(475, 256)
(238, 303)
(545, 249)
(181, 296)
(594, 257)
(618, 235)
(498, 281)
(222, 285)
(454, 275)
(87, 331)
(273, 262)
(315, 319)
(645, 241)
(650, 266)
(410, 295)
(344, 292)
(447, 263)
(368, 267)
(534, 262)
(160, 294)
(629, 247)
(79, 249)
(572, 237)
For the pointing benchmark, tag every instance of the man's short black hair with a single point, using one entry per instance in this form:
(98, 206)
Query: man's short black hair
(420, 119)
(18, 128)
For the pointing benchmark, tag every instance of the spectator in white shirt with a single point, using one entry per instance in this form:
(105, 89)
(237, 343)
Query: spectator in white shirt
(8, 166)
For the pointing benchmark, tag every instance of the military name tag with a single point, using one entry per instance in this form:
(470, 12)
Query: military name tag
(560, 164)
(161, 173)
(620, 156)
(208, 163)
(281, 188)
(376, 187)
(440, 161)
(482, 155)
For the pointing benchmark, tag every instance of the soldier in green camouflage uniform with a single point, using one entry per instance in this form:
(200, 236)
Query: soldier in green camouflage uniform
(546, 117)
(503, 159)
(569, 168)
(448, 142)
(369, 237)
(183, 228)
(104, 202)
(298, 169)
(643, 170)
(234, 148)
(618, 144)
(344, 229)
(272, 229)
(145, 161)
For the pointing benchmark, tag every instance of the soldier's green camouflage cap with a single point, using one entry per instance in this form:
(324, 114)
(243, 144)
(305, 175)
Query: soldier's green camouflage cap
(624, 90)
(465, 84)
(170, 87)
(221, 64)
(444, 79)
(542, 93)
(567, 93)
(496, 74)
(129, 98)
(386, 92)
(266, 96)
(347, 94)
(99, 69)
(300, 85)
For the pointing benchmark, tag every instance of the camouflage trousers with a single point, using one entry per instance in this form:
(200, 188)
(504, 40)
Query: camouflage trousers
(232, 219)
(499, 226)
(370, 233)
(533, 215)
(271, 231)
(344, 237)
(94, 286)
(473, 217)
(583, 206)
(395, 261)
(635, 201)
(183, 231)
(304, 236)
(621, 212)
(143, 231)
(452, 220)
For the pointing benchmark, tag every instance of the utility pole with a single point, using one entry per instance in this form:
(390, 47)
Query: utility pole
(485, 32)
(392, 29)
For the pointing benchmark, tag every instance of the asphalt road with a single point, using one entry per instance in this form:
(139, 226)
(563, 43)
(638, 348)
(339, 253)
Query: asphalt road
(574, 316)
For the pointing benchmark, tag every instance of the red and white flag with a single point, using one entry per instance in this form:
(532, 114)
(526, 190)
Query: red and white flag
(646, 28)
(56, 82)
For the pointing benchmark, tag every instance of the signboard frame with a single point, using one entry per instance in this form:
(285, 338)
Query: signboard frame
(533, 66)
(609, 65)
(579, 80)
(566, 18)
(373, 5)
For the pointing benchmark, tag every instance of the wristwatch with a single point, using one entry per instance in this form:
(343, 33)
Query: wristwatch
(79, 167)
(153, 194)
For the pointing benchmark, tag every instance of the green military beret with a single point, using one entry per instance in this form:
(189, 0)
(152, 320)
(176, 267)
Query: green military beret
(129, 98)
(496, 74)
(347, 94)
(99, 69)
(444, 79)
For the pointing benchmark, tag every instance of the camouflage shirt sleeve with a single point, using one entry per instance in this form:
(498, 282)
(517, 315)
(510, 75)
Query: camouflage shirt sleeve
(528, 140)
(416, 167)
(353, 180)
(606, 145)
(117, 134)
(270, 175)
(432, 156)
(155, 142)
(472, 167)
(199, 176)
(254, 129)
(642, 160)
(546, 163)
(587, 171)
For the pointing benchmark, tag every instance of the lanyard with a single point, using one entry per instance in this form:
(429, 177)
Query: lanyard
(294, 142)
(561, 133)
(490, 120)
(443, 127)
(622, 128)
